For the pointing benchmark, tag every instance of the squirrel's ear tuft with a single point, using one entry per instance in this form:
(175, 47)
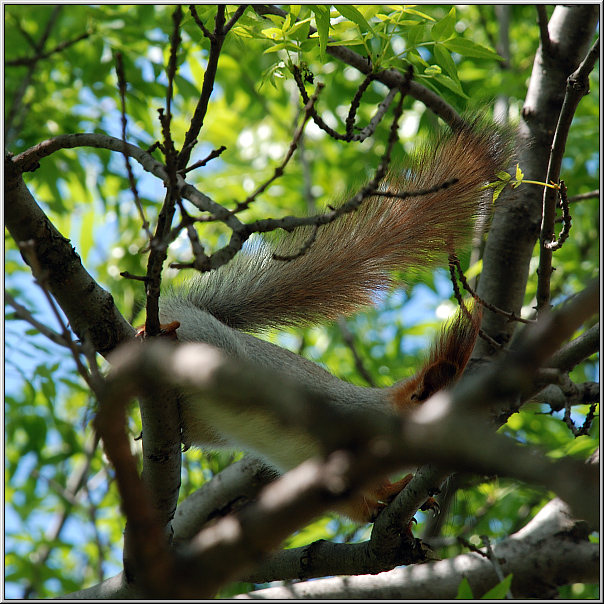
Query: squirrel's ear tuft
(448, 359)
(437, 376)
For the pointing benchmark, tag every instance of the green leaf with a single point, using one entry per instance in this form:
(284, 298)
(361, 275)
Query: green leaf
(36, 429)
(498, 187)
(433, 70)
(445, 61)
(413, 11)
(282, 46)
(474, 270)
(185, 87)
(464, 591)
(370, 10)
(500, 590)
(352, 14)
(355, 42)
(271, 73)
(414, 35)
(451, 84)
(443, 29)
(321, 13)
(300, 30)
(273, 33)
(276, 19)
(468, 48)
(582, 447)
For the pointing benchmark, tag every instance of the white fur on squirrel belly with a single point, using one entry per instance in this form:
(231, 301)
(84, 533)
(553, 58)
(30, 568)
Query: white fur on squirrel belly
(208, 422)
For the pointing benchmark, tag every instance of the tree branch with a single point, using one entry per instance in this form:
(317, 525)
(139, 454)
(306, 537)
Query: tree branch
(517, 219)
(576, 351)
(552, 550)
(216, 38)
(18, 97)
(577, 86)
(75, 290)
(389, 77)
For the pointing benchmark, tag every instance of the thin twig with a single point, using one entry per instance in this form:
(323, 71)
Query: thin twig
(28, 250)
(21, 29)
(45, 55)
(391, 78)
(496, 564)
(121, 78)
(128, 275)
(236, 16)
(370, 129)
(577, 86)
(201, 258)
(566, 220)
(27, 79)
(206, 32)
(158, 253)
(202, 162)
(216, 41)
(71, 494)
(279, 170)
(355, 103)
(543, 30)
(589, 195)
(358, 362)
(349, 136)
(420, 192)
(303, 249)
(242, 232)
(172, 61)
(26, 315)
(572, 393)
(511, 316)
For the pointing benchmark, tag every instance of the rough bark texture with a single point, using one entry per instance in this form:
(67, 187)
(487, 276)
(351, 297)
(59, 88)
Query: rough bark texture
(517, 219)
(90, 309)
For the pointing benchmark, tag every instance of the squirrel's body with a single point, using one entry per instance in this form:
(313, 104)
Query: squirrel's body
(350, 259)
(257, 435)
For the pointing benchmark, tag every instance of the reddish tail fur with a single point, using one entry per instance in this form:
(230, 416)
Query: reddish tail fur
(354, 256)
(350, 259)
(445, 365)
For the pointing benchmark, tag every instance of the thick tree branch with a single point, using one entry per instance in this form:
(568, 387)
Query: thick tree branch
(551, 551)
(517, 219)
(585, 394)
(429, 435)
(577, 86)
(577, 350)
(226, 492)
(90, 309)
(424, 438)
(543, 31)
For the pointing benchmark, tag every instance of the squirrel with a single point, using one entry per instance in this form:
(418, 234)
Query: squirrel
(350, 259)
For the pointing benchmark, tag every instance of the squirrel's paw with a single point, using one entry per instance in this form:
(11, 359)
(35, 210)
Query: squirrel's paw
(367, 506)
(431, 504)
(166, 331)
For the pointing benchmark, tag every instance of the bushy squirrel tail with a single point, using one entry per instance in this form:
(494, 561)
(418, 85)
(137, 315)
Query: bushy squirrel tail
(354, 256)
